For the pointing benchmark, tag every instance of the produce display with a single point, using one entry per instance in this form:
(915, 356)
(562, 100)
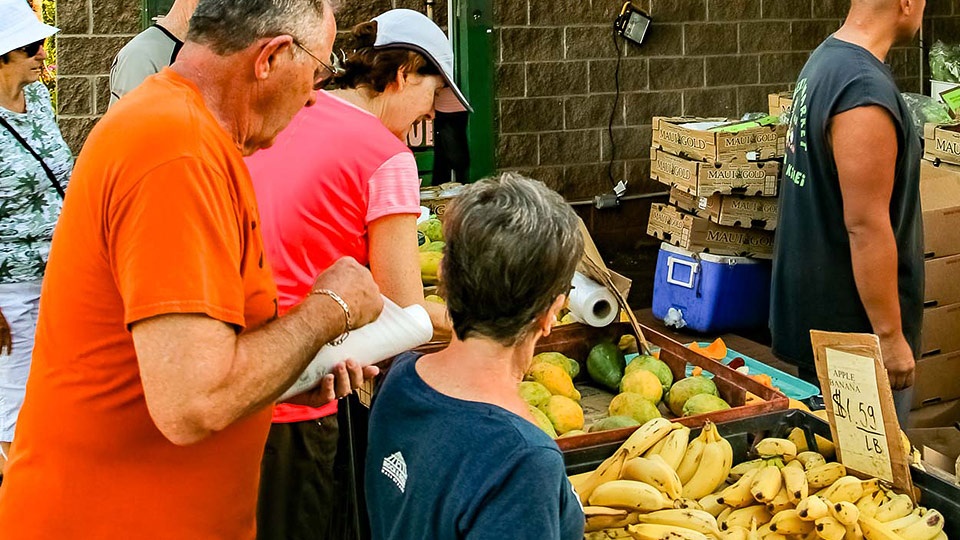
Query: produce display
(644, 389)
(662, 485)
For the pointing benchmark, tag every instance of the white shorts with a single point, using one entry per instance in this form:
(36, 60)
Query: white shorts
(20, 303)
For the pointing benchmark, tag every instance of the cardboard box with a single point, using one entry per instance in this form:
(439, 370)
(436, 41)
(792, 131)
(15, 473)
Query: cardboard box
(936, 379)
(730, 210)
(693, 233)
(942, 281)
(941, 330)
(939, 448)
(701, 179)
(779, 103)
(942, 141)
(940, 200)
(939, 415)
(683, 136)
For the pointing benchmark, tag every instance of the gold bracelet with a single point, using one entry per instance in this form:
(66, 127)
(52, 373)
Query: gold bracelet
(346, 314)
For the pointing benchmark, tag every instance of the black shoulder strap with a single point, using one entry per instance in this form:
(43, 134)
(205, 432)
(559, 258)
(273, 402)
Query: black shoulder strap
(46, 169)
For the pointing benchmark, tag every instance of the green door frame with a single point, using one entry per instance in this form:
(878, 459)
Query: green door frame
(151, 9)
(474, 47)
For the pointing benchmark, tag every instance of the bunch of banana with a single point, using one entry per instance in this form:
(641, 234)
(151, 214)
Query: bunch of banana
(662, 485)
(714, 463)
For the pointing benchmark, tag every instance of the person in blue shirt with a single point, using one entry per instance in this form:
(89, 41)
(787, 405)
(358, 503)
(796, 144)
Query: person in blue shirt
(453, 451)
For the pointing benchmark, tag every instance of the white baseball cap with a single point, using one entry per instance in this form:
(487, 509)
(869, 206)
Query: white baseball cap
(409, 29)
(19, 26)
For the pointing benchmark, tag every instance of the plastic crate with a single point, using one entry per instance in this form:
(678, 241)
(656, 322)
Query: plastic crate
(710, 293)
(743, 433)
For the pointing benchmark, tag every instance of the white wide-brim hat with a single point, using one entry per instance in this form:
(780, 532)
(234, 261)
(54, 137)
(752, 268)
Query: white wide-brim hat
(409, 29)
(19, 26)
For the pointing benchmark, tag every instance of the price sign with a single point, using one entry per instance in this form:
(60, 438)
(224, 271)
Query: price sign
(859, 403)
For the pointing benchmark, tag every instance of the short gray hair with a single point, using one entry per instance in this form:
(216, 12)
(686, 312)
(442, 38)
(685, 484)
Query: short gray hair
(512, 247)
(228, 26)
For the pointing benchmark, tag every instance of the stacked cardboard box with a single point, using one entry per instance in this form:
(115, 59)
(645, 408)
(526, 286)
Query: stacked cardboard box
(939, 365)
(723, 177)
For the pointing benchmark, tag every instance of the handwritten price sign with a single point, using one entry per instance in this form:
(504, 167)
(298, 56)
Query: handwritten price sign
(860, 406)
(856, 412)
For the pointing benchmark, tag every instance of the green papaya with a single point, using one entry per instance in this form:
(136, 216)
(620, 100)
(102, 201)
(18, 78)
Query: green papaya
(605, 364)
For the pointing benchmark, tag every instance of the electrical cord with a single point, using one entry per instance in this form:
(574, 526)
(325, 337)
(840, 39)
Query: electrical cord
(613, 111)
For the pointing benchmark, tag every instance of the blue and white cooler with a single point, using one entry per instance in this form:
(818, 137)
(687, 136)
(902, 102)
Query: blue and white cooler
(710, 293)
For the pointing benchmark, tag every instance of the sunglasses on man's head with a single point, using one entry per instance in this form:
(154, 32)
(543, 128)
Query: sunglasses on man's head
(33, 48)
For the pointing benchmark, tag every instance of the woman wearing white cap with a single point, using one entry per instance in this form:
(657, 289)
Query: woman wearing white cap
(35, 164)
(340, 181)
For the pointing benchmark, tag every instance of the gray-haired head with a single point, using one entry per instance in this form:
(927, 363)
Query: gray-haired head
(512, 247)
(228, 26)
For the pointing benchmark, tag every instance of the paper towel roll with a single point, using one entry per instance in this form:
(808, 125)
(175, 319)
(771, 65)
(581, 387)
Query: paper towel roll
(591, 303)
(396, 330)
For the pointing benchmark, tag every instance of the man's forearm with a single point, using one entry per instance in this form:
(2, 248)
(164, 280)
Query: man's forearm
(873, 252)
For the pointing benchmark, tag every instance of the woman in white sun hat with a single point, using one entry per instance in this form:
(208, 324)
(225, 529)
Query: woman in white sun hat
(35, 164)
(340, 181)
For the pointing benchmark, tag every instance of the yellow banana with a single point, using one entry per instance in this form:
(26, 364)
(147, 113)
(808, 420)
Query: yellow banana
(780, 502)
(829, 528)
(907, 520)
(607, 471)
(653, 531)
(876, 530)
(711, 503)
(628, 494)
(766, 484)
(813, 508)
(846, 512)
(675, 446)
(744, 517)
(714, 466)
(608, 534)
(942, 535)
(774, 447)
(927, 528)
(577, 480)
(691, 504)
(654, 471)
(811, 459)
(789, 522)
(869, 504)
(697, 520)
(738, 494)
(870, 486)
(753, 534)
(735, 533)
(691, 459)
(646, 436)
(795, 482)
(847, 488)
(738, 470)
(824, 475)
(853, 531)
(897, 507)
(601, 517)
(655, 449)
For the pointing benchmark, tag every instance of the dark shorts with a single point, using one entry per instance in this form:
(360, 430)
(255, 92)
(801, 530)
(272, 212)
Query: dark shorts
(304, 491)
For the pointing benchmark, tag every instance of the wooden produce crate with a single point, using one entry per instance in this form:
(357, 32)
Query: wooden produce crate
(682, 136)
(576, 340)
(692, 233)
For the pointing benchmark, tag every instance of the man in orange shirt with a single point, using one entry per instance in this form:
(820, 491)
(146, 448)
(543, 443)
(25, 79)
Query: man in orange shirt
(157, 354)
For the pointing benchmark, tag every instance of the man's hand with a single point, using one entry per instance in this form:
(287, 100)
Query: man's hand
(341, 382)
(6, 338)
(898, 359)
(356, 287)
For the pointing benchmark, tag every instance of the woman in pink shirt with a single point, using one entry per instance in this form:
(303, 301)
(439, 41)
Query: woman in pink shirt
(340, 181)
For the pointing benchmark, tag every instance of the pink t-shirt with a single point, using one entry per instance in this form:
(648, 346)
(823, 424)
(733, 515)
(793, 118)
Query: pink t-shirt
(330, 173)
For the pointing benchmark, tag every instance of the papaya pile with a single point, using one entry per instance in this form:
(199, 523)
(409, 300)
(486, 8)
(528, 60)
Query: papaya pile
(431, 244)
(549, 392)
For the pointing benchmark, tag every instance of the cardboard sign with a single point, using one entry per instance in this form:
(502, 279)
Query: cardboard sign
(859, 403)
(952, 98)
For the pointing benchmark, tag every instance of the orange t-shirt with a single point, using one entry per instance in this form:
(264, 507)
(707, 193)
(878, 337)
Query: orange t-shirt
(160, 217)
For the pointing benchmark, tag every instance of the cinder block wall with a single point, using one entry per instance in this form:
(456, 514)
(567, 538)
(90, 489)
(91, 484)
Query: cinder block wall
(93, 31)
(556, 66)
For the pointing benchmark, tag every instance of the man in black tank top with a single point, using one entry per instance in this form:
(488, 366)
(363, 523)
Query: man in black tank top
(849, 251)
